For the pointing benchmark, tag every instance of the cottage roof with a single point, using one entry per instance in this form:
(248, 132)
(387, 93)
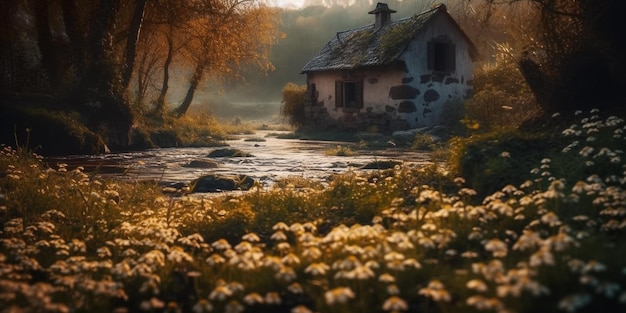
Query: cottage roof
(370, 46)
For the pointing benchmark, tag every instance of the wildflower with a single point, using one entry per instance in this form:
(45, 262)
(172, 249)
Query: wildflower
(393, 290)
(295, 288)
(296, 228)
(220, 293)
(214, 259)
(221, 244)
(593, 266)
(286, 273)
(279, 236)
(497, 247)
(476, 284)
(272, 298)
(395, 304)
(528, 240)
(436, 291)
(283, 246)
(280, 226)
(386, 278)
(551, 219)
(233, 307)
(362, 272)
(505, 154)
(469, 254)
(312, 253)
(338, 295)
(104, 252)
(301, 309)
(317, 269)
(290, 259)
(251, 237)
(562, 241)
(177, 255)
(574, 302)
(586, 151)
(412, 263)
(346, 264)
(467, 192)
(543, 256)
(253, 298)
(153, 258)
(202, 306)
(482, 303)
(243, 247)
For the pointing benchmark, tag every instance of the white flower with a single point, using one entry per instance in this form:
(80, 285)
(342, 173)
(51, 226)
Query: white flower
(395, 304)
(286, 273)
(317, 269)
(253, 298)
(338, 295)
(290, 259)
(202, 306)
(220, 293)
(301, 309)
(233, 307)
(251, 237)
(476, 284)
(528, 240)
(221, 244)
(497, 247)
(482, 303)
(436, 291)
(574, 302)
(279, 236)
(272, 298)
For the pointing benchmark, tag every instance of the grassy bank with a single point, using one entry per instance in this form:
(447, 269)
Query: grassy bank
(408, 239)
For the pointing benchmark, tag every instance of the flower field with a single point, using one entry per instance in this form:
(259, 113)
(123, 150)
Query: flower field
(406, 240)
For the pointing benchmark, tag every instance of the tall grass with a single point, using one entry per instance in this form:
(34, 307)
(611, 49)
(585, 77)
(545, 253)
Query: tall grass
(407, 239)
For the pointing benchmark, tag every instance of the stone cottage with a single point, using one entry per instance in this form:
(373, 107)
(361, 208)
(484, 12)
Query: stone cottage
(393, 75)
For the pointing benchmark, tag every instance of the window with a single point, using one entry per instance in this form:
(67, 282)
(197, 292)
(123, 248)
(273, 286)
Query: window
(441, 55)
(349, 94)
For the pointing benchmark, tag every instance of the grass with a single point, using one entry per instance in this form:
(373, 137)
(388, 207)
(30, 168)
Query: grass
(414, 239)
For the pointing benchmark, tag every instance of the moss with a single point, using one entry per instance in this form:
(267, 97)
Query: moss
(494, 160)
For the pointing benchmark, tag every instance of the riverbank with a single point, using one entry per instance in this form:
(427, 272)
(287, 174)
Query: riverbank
(403, 239)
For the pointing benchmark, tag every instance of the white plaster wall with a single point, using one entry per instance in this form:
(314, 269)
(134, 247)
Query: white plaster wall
(376, 84)
(416, 59)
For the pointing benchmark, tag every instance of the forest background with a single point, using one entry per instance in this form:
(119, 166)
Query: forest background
(114, 75)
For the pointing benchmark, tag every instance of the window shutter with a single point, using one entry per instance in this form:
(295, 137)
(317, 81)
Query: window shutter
(431, 55)
(358, 91)
(338, 94)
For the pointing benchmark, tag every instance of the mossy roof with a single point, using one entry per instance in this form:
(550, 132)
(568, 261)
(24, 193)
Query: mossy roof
(367, 46)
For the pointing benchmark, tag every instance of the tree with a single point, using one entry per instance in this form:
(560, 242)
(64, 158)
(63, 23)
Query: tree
(574, 59)
(225, 35)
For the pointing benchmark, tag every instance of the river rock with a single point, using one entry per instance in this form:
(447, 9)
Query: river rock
(381, 165)
(223, 153)
(202, 164)
(217, 183)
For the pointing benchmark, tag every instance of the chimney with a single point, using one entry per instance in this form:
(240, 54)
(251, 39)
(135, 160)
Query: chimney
(383, 14)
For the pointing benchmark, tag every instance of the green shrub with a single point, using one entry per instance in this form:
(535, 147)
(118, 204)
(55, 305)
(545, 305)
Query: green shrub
(293, 104)
(501, 100)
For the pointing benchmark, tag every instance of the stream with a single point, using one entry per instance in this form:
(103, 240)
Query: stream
(272, 159)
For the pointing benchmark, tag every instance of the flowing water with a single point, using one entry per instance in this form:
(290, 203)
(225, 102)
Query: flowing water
(272, 159)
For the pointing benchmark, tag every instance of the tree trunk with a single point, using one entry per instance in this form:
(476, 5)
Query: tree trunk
(160, 104)
(49, 55)
(196, 78)
(73, 30)
(131, 42)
